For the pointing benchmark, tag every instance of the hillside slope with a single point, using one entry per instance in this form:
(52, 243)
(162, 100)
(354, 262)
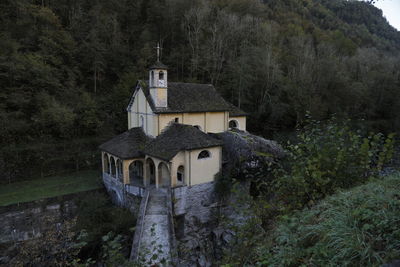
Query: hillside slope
(357, 227)
(67, 67)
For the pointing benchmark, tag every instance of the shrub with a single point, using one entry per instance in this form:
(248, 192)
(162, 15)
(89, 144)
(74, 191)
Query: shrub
(329, 157)
(97, 217)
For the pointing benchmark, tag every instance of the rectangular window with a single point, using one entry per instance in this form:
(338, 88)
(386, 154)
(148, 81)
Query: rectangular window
(176, 119)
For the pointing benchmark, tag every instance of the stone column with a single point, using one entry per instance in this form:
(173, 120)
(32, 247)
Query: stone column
(156, 174)
(146, 179)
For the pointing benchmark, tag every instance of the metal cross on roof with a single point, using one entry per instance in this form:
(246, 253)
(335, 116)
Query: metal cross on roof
(158, 51)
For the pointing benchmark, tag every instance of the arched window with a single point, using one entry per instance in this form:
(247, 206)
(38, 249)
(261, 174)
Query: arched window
(204, 154)
(161, 75)
(141, 123)
(152, 78)
(233, 124)
(180, 175)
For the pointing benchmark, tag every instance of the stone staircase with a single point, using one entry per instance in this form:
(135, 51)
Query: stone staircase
(155, 238)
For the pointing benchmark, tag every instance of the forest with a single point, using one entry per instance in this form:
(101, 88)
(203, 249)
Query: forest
(67, 68)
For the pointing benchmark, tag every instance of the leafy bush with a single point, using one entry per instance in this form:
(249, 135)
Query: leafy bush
(329, 157)
(359, 227)
(97, 217)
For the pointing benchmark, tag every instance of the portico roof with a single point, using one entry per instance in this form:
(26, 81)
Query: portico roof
(127, 145)
(179, 137)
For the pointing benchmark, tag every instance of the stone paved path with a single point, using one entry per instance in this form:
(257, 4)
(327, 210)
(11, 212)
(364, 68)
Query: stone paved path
(155, 242)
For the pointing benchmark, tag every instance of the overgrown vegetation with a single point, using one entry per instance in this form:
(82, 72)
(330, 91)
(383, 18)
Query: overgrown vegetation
(100, 234)
(327, 158)
(356, 227)
(67, 68)
(99, 221)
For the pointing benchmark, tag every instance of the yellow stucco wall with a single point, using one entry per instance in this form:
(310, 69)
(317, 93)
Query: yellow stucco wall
(141, 108)
(241, 120)
(204, 170)
(210, 122)
(216, 122)
(159, 96)
(179, 160)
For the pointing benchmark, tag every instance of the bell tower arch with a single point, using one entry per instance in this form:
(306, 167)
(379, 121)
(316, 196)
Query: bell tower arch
(158, 82)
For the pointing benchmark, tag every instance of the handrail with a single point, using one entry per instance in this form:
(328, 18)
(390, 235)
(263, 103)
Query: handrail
(139, 232)
(172, 238)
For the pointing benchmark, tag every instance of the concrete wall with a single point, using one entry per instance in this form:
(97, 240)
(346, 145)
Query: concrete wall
(241, 121)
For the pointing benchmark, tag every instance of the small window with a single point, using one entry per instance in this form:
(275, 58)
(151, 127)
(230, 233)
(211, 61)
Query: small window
(233, 124)
(180, 174)
(152, 78)
(204, 154)
(161, 75)
(177, 120)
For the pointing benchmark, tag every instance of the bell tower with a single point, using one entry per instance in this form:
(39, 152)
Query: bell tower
(158, 82)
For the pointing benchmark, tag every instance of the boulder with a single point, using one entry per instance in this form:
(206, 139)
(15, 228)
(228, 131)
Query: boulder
(240, 146)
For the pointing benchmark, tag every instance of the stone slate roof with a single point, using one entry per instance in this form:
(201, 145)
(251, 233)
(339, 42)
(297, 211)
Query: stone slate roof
(236, 112)
(158, 65)
(189, 97)
(179, 137)
(127, 145)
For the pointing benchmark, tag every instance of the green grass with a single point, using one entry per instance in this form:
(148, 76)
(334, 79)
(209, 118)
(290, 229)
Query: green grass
(49, 187)
(357, 227)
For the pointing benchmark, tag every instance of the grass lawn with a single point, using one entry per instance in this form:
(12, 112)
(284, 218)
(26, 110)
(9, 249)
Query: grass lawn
(49, 187)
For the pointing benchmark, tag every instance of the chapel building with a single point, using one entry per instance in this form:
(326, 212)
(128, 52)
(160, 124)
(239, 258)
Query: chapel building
(170, 141)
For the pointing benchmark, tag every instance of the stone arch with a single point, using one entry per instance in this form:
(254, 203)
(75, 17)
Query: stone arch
(151, 171)
(113, 169)
(205, 154)
(198, 127)
(233, 124)
(180, 175)
(119, 169)
(136, 173)
(106, 163)
(164, 177)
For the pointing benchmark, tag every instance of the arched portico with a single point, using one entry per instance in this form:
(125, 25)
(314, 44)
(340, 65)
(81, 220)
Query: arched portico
(113, 167)
(136, 173)
(106, 163)
(164, 176)
(150, 171)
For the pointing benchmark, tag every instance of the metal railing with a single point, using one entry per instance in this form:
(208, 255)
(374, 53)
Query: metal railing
(135, 190)
(171, 228)
(140, 226)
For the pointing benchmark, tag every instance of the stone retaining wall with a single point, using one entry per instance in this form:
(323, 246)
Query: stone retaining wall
(20, 222)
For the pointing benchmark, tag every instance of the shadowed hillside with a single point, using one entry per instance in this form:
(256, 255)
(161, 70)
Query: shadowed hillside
(67, 68)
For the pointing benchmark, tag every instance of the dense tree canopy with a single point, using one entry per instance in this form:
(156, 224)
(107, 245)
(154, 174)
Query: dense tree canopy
(67, 67)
